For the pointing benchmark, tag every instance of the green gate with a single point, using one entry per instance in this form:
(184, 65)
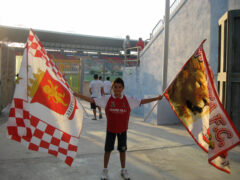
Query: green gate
(71, 71)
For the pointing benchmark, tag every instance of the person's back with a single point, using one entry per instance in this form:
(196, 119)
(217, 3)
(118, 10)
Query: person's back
(96, 90)
(96, 86)
(107, 86)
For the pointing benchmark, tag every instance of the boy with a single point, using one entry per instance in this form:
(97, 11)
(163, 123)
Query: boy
(117, 107)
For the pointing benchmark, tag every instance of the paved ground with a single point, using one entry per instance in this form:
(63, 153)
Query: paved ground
(154, 152)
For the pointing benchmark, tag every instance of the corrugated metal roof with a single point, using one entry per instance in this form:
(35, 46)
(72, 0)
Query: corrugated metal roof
(63, 40)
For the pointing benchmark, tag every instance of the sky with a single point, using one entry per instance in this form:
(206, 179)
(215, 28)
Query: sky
(108, 18)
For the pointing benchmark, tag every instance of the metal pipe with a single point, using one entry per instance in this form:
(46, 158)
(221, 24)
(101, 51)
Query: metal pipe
(166, 39)
(160, 21)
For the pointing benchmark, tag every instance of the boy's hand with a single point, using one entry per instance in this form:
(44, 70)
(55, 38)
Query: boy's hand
(159, 97)
(75, 93)
(85, 98)
(145, 101)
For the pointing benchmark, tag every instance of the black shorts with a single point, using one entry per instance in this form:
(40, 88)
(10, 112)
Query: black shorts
(93, 106)
(110, 141)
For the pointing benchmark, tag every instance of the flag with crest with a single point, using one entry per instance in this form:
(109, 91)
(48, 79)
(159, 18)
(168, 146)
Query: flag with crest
(193, 97)
(44, 114)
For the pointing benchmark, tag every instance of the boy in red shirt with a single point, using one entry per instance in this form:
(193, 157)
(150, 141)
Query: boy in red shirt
(117, 107)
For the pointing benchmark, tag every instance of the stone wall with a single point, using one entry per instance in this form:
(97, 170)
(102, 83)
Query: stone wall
(7, 75)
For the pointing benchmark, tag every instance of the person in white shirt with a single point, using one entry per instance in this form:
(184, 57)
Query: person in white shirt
(107, 86)
(96, 90)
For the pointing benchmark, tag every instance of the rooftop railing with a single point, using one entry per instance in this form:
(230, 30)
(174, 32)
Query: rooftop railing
(132, 59)
(160, 23)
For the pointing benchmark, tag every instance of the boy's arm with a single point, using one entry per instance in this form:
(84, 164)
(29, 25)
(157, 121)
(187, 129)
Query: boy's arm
(85, 98)
(145, 101)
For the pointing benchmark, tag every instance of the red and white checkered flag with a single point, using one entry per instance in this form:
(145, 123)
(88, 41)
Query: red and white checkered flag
(44, 115)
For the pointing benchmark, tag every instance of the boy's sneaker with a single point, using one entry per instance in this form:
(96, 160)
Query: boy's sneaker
(104, 175)
(100, 116)
(124, 174)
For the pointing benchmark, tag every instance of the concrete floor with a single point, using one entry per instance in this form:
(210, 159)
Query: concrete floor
(154, 152)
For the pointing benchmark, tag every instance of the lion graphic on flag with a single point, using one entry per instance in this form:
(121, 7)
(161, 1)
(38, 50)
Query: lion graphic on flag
(189, 92)
(53, 94)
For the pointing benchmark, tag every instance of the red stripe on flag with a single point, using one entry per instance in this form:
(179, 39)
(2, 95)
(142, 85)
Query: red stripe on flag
(33, 147)
(62, 150)
(34, 121)
(55, 153)
(44, 144)
(38, 133)
(18, 103)
(25, 114)
(50, 130)
(20, 122)
(55, 141)
(16, 138)
(72, 147)
(66, 137)
(12, 112)
(12, 130)
(69, 161)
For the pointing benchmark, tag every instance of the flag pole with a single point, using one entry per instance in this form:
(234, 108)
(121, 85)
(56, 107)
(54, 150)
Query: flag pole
(166, 40)
(147, 116)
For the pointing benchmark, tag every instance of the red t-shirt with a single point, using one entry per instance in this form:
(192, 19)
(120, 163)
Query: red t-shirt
(117, 111)
(140, 44)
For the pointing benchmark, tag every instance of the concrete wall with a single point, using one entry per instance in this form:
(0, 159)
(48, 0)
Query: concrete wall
(191, 22)
(233, 4)
(7, 75)
(133, 88)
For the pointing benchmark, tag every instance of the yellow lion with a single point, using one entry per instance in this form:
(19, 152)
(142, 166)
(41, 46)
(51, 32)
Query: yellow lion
(189, 93)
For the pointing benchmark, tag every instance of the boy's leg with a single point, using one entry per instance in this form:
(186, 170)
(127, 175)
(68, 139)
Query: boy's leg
(109, 146)
(123, 159)
(124, 172)
(122, 147)
(106, 159)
